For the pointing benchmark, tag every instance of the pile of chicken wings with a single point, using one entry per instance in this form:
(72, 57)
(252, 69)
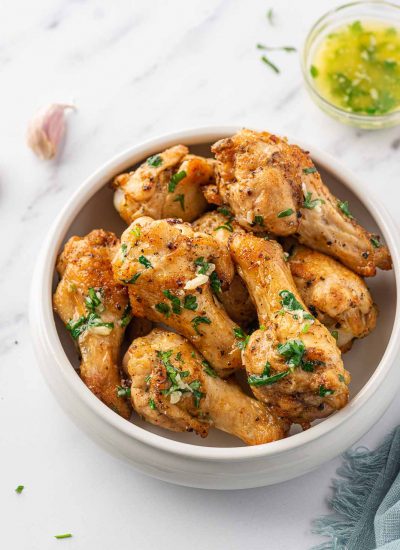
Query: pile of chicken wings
(241, 262)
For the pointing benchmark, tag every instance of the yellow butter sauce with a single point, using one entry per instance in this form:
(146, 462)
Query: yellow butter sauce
(357, 68)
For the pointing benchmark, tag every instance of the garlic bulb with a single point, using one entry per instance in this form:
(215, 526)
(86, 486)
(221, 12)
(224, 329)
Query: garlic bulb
(46, 130)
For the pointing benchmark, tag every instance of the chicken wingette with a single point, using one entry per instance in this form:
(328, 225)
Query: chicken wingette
(274, 186)
(167, 185)
(172, 386)
(292, 361)
(339, 298)
(236, 300)
(95, 310)
(172, 272)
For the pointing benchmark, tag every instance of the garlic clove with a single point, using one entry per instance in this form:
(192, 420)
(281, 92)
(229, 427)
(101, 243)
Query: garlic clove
(46, 130)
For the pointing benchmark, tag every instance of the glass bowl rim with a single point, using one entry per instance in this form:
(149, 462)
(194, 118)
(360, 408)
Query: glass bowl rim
(326, 104)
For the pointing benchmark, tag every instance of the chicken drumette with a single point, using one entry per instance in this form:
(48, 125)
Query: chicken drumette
(171, 271)
(271, 185)
(172, 386)
(95, 310)
(292, 361)
(167, 185)
(338, 297)
(236, 300)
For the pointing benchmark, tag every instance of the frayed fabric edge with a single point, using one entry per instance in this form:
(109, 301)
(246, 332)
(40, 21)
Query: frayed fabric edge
(359, 473)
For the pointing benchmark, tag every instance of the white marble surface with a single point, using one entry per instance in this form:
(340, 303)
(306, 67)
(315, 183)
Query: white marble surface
(136, 69)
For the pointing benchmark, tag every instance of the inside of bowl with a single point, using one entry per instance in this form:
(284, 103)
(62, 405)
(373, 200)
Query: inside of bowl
(361, 361)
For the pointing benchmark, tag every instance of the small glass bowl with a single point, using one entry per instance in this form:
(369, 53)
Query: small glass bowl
(376, 10)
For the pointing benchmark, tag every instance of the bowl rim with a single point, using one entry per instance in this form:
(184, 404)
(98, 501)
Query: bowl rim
(44, 329)
(390, 118)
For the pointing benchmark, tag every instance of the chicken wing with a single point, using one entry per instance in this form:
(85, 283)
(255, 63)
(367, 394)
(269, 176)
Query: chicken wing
(235, 299)
(175, 388)
(171, 271)
(272, 185)
(95, 310)
(292, 361)
(338, 297)
(167, 185)
(258, 176)
(327, 225)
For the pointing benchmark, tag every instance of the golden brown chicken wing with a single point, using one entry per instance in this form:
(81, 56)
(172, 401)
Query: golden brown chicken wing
(167, 185)
(95, 310)
(338, 297)
(292, 361)
(171, 271)
(236, 300)
(258, 176)
(175, 388)
(271, 185)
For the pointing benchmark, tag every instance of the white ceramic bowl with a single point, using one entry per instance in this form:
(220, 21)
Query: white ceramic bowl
(220, 461)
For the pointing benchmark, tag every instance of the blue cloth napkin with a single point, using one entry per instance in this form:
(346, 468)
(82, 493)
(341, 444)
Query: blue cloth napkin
(366, 500)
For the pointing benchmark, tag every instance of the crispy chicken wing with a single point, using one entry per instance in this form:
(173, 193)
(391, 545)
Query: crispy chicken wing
(173, 387)
(327, 225)
(95, 310)
(272, 185)
(258, 176)
(167, 185)
(338, 297)
(235, 299)
(170, 271)
(292, 361)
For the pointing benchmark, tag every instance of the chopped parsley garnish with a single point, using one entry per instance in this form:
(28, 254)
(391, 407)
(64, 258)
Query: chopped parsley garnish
(306, 328)
(175, 302)
(93, 300)
(196, 321)
(84, 323)
(144, 261)
(64, 536)
(227, 226)
(285, 213)
(155, 161)
(225, 212)
(335, 334)
(276, 48)
(207, 368)
(152, 404)
(178, 386)
(136, 231)
(19, 489)
(215, 282)
(175, 179)
(122, 391)
(314, 71)
(269, 63)
(132, 280)
(290, 303)
(344, 207)
(124, 250)
(242, 337)
(293, 351)
(181, 199)
(270, 16)
(341, 377)
(258, 220)
(311, 203)
(375, 241)
(178, 357)
(190, 302)
(126, 316)
(163, 308)
(322, 392)
(310, 170)
(265, 379)
(203, 265)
